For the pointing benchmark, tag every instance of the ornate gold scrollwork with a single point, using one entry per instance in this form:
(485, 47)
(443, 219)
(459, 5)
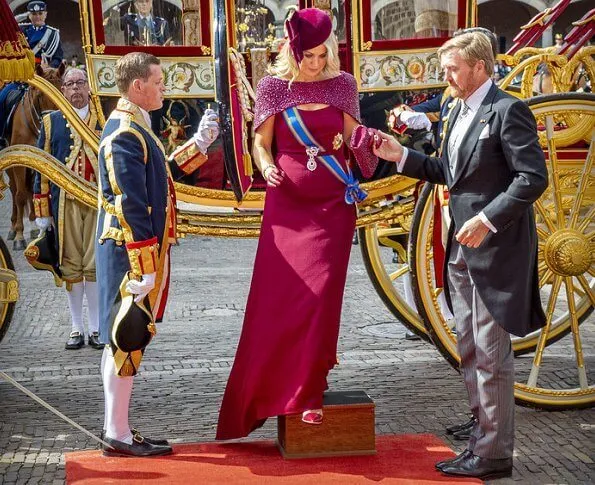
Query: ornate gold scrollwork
(3, 185)
(53, 169)
(9, 286)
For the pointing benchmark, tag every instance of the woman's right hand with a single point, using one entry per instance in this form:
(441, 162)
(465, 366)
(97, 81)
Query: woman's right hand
(273, 175)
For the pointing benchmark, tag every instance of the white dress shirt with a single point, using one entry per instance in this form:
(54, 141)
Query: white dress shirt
(466, 114)
(146, 116)
(462, 124)
(82, 112)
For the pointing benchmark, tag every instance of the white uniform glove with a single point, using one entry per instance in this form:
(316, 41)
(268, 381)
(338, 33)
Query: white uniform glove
(208, 130)
(43, 222)
(141, 288)
(415, 120)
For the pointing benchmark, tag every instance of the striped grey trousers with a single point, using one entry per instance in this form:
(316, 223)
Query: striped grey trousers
(486, 363)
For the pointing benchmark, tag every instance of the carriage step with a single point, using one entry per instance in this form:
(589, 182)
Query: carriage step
(347, 428)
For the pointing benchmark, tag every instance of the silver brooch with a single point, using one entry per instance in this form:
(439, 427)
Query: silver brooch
(312, 152)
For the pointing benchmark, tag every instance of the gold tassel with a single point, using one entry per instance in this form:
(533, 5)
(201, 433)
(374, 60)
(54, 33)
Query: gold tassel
(127, 369)
(248, 170)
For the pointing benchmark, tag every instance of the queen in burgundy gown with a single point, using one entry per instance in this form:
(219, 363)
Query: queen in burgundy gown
(291, 325)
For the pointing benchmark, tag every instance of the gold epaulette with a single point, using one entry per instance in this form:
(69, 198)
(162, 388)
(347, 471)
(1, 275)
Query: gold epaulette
(188, 157)
(143, 256)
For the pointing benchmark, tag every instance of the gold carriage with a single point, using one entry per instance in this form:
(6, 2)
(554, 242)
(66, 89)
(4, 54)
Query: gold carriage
(215, 52)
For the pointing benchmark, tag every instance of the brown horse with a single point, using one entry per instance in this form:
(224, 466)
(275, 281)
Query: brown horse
(26, 124)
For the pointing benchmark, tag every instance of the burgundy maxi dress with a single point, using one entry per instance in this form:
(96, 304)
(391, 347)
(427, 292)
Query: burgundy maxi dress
(291, 326)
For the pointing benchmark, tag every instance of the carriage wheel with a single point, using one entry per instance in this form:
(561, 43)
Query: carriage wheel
(8, 288)
(383, 246)
(553, 373)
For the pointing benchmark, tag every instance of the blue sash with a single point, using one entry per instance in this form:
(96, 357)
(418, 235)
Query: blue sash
(353, 192)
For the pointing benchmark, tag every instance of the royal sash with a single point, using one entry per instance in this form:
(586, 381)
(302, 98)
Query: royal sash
(353, 192)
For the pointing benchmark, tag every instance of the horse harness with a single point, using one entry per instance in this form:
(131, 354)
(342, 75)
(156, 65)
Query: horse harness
(33, 121)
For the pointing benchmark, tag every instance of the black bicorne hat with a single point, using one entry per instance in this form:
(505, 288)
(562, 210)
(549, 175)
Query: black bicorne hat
(132, 330)
(42, 254)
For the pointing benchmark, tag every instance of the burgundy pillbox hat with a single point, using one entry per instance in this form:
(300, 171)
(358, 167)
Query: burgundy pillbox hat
(307, 29)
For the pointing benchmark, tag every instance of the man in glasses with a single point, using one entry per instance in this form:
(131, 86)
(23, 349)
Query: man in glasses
(143, 28)
(73, 222)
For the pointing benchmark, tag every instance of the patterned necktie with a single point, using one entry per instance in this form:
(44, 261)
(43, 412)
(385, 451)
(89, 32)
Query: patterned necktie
(455, 136)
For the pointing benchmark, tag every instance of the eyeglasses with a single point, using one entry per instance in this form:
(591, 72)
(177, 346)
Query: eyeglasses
(79, 83)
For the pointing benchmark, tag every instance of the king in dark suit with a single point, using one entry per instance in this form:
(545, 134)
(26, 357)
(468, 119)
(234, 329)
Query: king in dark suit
(495, 170)
(136, 227)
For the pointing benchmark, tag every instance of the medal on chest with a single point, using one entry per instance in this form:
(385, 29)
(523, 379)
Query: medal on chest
(312, 152)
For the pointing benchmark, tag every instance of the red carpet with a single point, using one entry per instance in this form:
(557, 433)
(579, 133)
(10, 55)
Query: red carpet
(401, 459)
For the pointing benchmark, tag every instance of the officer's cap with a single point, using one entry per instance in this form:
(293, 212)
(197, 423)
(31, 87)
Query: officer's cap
(37, 6)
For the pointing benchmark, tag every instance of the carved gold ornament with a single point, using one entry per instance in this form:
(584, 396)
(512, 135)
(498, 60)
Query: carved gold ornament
(9, 286)
(568, 253)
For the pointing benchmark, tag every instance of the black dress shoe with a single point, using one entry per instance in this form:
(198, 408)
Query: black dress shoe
(451, 461)
(149, 440)
(463, 434)
(458, 427)
(75, 341)
(477, 467)
(94, 341)
(139, 447)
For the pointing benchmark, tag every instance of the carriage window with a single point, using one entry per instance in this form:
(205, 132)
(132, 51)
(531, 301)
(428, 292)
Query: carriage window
(151, 22)
(338, 11)
(413, 19)
(260, 24)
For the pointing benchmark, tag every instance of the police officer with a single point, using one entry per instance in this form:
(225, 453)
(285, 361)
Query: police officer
(43, 39)
(143, 28)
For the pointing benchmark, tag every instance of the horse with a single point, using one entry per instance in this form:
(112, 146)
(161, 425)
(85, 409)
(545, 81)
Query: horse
(25, 128)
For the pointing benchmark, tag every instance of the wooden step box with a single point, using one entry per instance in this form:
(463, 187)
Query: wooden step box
(347, 428)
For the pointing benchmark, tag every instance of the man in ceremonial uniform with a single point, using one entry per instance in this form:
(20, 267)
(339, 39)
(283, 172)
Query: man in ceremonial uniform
(43, 39)
(495, 170)
(136, 227)
(73, 221)
(143, 28)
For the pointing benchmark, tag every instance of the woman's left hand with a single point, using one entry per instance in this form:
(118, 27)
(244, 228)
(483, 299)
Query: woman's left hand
(273, 175)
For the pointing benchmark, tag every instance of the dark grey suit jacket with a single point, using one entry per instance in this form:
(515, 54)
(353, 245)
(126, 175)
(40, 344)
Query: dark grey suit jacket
(501, 175)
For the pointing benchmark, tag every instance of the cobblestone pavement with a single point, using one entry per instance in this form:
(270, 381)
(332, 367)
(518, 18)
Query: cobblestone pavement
(186, 367)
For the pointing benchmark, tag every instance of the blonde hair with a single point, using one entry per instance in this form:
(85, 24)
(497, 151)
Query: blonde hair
(286, 67)
(472, 47)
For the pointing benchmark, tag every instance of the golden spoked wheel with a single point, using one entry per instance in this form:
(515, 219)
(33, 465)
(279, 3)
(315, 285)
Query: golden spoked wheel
(553, 372)
(8, 289)
(383, 247)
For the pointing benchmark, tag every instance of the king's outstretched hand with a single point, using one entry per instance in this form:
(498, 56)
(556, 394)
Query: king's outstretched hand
(387, 147)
